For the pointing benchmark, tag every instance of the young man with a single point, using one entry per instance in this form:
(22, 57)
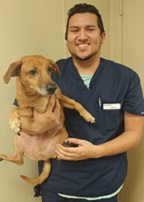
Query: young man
(95, 170)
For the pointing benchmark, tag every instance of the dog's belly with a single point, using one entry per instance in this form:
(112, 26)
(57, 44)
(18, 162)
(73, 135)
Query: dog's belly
(40, 147)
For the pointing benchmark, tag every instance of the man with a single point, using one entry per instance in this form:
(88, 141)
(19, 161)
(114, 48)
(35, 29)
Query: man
(95, 170)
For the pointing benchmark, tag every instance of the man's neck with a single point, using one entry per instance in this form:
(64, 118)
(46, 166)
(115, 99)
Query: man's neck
(87, 66)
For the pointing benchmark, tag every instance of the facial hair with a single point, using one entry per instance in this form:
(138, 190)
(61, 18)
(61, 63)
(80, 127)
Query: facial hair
(88, 57)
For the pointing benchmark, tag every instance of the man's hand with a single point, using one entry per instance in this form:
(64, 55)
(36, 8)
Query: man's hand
(43, 122)
(84, 150)
(130, 138)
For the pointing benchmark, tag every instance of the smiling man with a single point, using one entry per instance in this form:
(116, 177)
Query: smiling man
(96, 168)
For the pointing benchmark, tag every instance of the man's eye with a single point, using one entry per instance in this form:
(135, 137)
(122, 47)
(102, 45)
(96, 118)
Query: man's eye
(74, 30)
(90, 29)
(32, 72)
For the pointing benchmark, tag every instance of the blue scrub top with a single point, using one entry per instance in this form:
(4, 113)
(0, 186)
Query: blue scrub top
(113, 90)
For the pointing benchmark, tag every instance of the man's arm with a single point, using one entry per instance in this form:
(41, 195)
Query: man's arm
(130, 138)
(127, 140)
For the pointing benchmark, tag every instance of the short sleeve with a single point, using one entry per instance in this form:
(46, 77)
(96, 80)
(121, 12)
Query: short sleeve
(134, 100)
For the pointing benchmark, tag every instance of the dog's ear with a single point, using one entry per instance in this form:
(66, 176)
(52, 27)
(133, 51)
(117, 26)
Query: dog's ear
(13, 70)
(55, 66)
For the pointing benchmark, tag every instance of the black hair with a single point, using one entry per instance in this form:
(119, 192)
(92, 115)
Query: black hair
(84, 8)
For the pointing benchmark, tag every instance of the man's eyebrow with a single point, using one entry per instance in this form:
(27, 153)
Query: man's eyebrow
(73, 26)
(93, 26)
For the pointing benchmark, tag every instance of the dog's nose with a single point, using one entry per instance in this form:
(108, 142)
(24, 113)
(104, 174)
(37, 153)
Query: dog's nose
(51, 88)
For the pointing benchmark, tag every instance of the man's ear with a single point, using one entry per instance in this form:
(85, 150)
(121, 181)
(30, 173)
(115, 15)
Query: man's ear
(13, 70)
(103, 35)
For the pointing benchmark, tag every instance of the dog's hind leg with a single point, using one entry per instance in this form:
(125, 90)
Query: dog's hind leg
(18, 158)
(44, 174)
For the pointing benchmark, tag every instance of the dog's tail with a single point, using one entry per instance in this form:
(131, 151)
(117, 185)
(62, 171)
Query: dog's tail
(44, 174)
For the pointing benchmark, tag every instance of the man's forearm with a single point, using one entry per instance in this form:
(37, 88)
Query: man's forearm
(122, 143)
(130, 138)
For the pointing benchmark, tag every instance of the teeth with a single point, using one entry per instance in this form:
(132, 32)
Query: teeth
(83, 46)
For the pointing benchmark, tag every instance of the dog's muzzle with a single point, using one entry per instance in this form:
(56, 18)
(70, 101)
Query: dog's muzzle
(51, 88)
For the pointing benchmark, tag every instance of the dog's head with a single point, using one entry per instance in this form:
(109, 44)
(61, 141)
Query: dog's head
(34, 74)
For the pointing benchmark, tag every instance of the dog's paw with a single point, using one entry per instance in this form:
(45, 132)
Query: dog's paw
(88, 117)
(37, 190)
(66, 143)
(15, 125)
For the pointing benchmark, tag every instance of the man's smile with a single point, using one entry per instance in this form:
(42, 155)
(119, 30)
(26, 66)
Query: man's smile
(83, 47)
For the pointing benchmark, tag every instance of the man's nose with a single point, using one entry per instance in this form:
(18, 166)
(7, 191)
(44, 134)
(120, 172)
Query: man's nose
(82, 34)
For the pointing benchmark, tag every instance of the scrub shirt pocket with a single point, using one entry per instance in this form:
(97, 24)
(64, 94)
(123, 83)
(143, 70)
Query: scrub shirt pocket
(110, 116)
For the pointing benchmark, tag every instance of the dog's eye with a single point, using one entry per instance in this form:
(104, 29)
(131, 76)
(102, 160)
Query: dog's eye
(50, 69)
(33, 72)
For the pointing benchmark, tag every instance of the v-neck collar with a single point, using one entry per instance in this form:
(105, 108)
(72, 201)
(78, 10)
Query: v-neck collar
(95, 77)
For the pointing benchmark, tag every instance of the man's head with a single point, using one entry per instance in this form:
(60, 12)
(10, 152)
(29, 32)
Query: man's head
(85, 32)
(85, 8)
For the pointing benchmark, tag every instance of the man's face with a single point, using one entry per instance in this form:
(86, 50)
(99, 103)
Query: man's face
(84, 39)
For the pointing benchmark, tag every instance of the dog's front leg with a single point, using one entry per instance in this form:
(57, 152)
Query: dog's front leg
(72, 104)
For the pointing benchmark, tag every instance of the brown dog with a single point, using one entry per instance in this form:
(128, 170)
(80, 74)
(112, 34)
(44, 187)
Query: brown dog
(34, 87)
